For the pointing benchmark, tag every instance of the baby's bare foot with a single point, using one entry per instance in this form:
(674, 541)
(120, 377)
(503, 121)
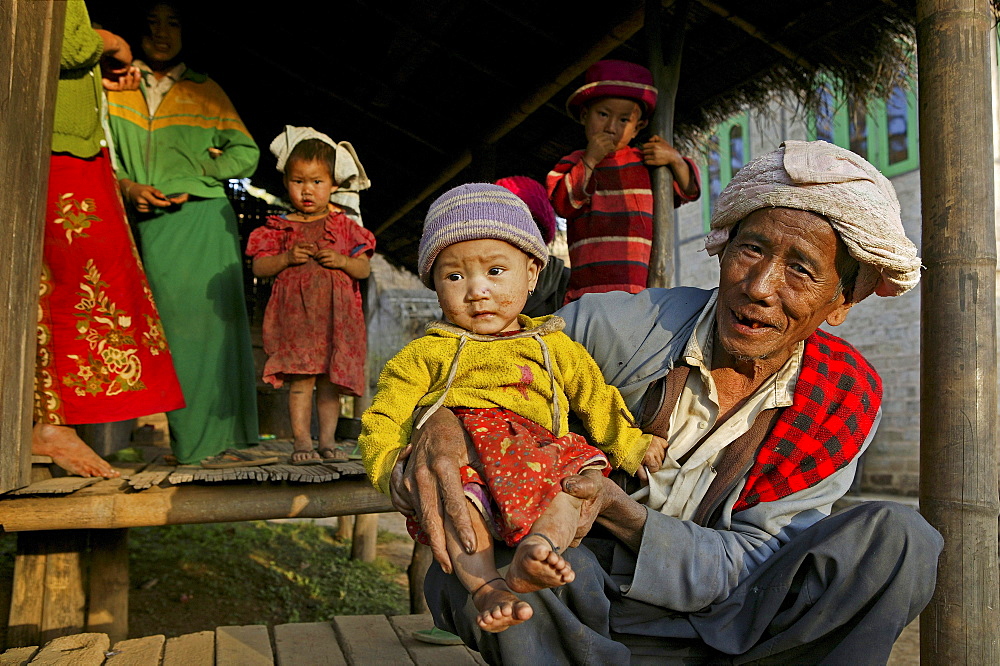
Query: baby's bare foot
(64, 446)
(537, 566)
(498, 607)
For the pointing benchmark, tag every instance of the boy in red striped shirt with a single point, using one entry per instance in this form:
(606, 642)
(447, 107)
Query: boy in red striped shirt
(604, 190)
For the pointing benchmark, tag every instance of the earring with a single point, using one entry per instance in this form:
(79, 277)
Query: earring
(531, 292)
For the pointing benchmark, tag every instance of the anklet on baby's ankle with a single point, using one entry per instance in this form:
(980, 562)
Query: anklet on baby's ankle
(551, 545)
(485, 584)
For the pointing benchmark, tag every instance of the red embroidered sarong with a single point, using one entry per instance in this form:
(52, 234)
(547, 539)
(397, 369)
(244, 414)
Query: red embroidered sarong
(102, 355)
(522, 464)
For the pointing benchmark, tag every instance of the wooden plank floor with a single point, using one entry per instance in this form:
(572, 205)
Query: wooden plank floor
(359, 640)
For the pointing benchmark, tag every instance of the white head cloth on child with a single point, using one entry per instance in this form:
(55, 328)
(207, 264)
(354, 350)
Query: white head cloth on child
(858, 201)
(349, 175)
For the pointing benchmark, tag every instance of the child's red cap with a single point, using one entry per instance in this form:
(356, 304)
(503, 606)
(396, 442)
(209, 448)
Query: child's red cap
(615, 78)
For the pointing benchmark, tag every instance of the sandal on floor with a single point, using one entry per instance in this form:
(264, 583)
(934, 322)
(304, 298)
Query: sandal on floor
(332, 454)
(237, 458)
(305, 461)
(437, 636)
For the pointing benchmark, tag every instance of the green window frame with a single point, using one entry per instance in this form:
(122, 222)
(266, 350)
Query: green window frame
(727, 152)
(892, 154)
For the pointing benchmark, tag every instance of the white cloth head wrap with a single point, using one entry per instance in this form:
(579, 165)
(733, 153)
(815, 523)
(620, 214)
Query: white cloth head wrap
(859, 202)
(348, 175)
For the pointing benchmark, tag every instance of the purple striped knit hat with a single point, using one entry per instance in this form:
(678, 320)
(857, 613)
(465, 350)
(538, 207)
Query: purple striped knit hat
(473, 212)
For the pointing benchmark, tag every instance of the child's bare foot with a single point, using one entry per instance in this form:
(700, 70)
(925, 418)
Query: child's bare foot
(537, 565)
(67, 450)
(498, 607)
(304, 452)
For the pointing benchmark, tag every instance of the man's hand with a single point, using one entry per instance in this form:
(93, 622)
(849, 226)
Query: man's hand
(590, 489)
(426, 484)
(606, 503)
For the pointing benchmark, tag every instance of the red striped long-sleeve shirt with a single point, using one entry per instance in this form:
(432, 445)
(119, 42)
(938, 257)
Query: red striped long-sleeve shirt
(610, 222)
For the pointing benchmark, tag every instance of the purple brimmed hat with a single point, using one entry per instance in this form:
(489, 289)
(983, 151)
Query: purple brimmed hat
(473, 212)
(615, 78)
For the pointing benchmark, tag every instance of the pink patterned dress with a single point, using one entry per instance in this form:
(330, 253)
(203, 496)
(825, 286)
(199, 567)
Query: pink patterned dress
(313, 324)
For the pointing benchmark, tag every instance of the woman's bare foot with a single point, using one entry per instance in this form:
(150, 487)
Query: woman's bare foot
(64, 446)
(498, 607)
(536, 566)
(304, 452)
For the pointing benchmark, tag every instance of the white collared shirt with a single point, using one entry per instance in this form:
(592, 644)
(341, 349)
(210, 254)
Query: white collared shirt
(155, 89)
(677, 489)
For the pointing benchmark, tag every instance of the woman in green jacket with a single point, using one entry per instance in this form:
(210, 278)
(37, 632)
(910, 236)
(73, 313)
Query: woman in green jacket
(178, 140)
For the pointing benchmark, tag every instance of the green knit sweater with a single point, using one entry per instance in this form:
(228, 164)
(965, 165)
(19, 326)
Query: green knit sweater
(77, 127)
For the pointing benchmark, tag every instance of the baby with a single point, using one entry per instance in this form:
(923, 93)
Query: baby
(510, 380)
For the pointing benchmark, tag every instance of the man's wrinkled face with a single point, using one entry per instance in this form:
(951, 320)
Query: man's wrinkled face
(778, 282)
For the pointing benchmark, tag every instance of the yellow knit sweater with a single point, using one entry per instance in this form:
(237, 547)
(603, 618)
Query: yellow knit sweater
(452, 367)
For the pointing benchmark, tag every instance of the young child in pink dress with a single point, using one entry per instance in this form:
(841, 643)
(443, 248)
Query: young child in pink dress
(314, 328)
(511, 380)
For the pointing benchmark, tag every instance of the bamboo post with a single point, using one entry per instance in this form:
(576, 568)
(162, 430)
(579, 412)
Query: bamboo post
(958, 374)
(666, 68)
(365, 537)
(33, 31)
(107, 606)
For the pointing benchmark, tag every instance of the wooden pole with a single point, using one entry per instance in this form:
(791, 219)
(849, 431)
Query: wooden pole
(363, 545)
(31, 34)
(107, 603)
(666, 68)
(958, 374)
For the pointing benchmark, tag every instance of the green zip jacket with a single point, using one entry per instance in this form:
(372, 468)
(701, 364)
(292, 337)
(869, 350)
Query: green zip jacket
(170, 149)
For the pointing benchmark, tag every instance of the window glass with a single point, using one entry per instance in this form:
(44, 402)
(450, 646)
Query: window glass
(714, 173)
(736, 160)
(824, 115)
(858, 128)
(897, 122)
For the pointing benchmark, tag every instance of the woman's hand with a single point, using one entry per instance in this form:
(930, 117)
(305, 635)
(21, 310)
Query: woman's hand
(426, 484)
(119, 81)
(146, 197)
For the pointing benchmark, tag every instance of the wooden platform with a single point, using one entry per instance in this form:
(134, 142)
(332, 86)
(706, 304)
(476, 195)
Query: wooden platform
(350, 640)
(71, 568)
(151, 494)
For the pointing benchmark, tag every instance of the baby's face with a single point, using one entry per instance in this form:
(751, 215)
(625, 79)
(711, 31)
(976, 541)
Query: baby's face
(482, 285)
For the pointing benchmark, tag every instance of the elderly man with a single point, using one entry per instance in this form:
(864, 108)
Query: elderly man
(728, 552)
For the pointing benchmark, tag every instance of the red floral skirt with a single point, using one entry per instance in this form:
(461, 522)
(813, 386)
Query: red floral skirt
(523, 465)
(102, 355)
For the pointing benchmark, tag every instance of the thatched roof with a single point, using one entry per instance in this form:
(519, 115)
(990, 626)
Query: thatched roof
(418, 87)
